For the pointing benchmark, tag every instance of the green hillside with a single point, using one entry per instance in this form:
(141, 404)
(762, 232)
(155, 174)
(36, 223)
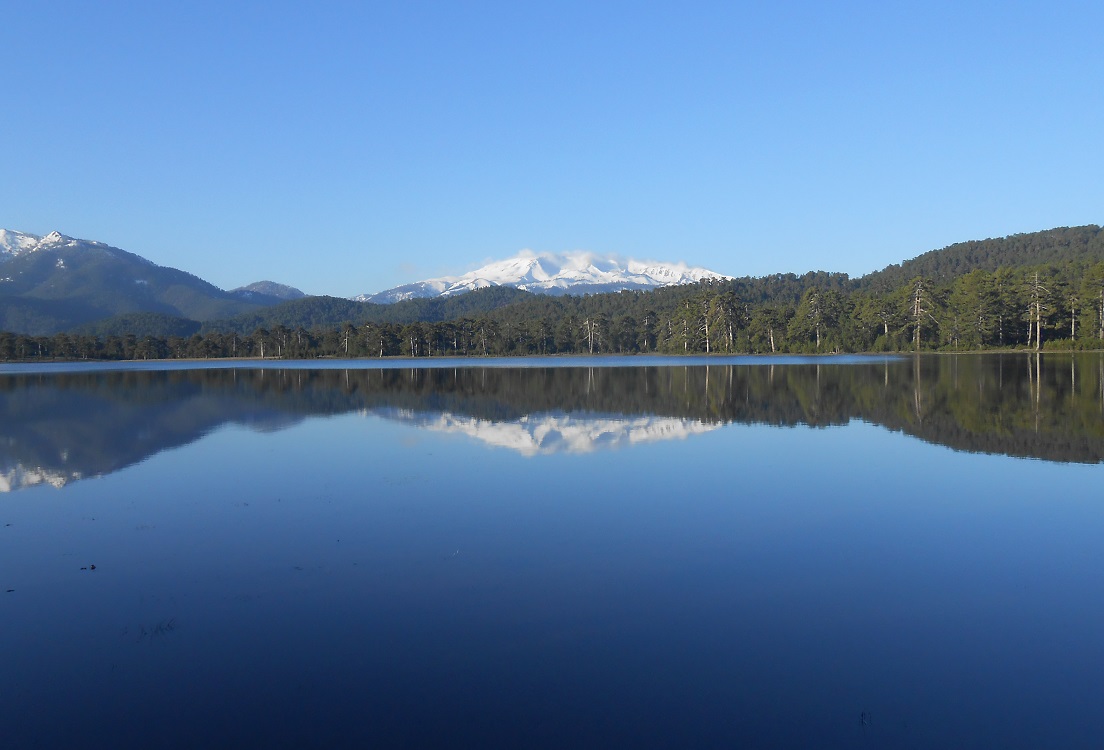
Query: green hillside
(326, 312)
(1063, 245)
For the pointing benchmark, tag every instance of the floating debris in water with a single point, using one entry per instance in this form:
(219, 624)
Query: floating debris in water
(156, 630)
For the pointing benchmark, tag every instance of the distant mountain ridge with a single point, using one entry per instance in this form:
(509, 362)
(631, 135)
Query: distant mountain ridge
(56, 283)
(551, 273)
(269, 289)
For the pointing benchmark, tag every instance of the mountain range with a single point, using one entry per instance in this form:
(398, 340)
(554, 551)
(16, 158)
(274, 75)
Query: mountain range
(55, 283)
(59, 283)
(552, 273)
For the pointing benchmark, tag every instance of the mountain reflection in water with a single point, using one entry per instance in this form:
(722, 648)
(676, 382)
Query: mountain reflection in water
(59, 427)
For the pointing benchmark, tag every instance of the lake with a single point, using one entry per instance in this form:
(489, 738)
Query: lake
(891, 552)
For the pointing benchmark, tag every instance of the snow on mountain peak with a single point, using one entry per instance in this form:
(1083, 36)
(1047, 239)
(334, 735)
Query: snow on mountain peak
(16, 243)
(553, 273)
(13, 243)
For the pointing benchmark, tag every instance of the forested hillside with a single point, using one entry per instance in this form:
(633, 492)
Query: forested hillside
(322, 312)
(1051, 247)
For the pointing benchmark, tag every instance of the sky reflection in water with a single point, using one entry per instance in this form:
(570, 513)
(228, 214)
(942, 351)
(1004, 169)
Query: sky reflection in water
(266, 576)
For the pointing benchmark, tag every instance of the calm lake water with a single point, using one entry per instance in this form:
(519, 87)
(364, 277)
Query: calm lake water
(833, 552)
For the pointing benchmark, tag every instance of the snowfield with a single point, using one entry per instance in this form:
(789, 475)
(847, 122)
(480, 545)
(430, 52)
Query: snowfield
(551, 273)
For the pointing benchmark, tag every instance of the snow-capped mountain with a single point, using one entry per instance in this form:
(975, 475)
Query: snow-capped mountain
(549, 273)
(15, 244)
(56, 283)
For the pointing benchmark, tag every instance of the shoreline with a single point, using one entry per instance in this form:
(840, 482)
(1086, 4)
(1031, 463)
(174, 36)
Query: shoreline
(8, 367)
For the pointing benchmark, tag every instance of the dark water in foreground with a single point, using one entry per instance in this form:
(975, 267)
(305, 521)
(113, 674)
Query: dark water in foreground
(871, 554)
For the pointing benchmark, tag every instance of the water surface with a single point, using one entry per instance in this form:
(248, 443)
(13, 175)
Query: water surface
(883, 553)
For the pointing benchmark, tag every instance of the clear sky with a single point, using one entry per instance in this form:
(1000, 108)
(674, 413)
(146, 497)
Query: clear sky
(349, 147)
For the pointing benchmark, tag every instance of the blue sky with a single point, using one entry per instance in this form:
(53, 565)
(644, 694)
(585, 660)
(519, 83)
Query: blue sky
(350, 147)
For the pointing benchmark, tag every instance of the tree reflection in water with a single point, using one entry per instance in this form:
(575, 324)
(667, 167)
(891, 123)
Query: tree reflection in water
(58, 427)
